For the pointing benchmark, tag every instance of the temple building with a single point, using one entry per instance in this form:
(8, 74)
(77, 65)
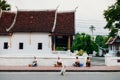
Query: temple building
(114, 46)
(29, 32)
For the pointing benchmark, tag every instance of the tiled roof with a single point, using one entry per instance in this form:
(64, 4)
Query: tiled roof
(5, 21)
(34, 21)
(112, 40)
(65, 24)
(38, 21)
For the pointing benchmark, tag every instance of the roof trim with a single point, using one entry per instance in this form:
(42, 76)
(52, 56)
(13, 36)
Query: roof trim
(14, 21)
(55, 20)
(114, 39)
(0, 13)
(111, 40)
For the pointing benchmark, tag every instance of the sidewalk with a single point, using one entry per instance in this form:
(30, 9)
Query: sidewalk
(57, 69)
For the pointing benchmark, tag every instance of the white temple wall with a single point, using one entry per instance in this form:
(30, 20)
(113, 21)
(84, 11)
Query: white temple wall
(2, 40)
(30, 43)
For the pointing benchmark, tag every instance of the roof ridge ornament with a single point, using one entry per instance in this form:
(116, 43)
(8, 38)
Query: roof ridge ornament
(55, 19)
(0, 13)
(76, 8)
(14, 21)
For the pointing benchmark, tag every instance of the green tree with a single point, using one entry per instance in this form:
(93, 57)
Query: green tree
(76, 42)
(88, 44)
(4, 5)
(92, 28)
(112, 16)
(101, 40)
(84, 42)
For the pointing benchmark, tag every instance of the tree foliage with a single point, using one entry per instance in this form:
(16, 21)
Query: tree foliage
(101, 40)
(4, 5)
(84, 42)
(112, 16)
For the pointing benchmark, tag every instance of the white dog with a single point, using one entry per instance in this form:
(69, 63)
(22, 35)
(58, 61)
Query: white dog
(63, 70)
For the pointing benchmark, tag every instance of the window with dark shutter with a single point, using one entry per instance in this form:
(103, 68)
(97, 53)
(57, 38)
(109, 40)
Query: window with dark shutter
(5, 45)
(20, 45)
(39, 46)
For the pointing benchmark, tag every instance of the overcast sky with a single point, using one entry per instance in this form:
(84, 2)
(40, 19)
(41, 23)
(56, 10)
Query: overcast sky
(89, 12)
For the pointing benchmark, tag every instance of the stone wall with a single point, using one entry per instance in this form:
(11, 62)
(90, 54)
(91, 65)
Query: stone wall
(111, 60)
(42, 60)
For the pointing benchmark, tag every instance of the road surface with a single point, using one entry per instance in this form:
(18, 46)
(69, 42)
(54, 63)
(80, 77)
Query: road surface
(57, 76)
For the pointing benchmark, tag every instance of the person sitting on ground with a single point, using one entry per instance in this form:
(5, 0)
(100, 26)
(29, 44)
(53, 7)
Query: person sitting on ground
(77, 62)
(34, 62)
(88, 63)
(59, 62)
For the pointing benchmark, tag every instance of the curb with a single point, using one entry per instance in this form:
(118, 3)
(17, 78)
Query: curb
(59, 70)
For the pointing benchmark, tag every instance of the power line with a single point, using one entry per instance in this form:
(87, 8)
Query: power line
(91, 21)
(88, 19)
(79, 20)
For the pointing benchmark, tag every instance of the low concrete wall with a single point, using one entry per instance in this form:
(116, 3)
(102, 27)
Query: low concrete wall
(42, 61)
(112, 61)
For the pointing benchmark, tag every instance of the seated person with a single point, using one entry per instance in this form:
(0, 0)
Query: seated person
(34, 62)
(88, 63)
(77, 62)
(59, 63)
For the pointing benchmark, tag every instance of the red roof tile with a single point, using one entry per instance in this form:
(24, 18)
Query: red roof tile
(38, 21)
(5, 21)
(34, 21)
(65, 24)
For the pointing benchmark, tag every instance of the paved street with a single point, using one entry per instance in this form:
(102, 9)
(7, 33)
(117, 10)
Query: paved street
(57, 76)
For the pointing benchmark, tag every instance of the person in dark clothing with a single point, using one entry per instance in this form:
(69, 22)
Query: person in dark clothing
(34, 62)
(88, 63)
(77, 62)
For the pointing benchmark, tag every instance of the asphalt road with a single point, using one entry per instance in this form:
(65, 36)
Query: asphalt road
(57, 76)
